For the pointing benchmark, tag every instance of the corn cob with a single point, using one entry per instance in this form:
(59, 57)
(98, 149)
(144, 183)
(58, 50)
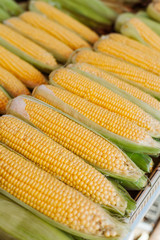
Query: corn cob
(134, 44)
(119, 130)
(135, 95)
(61, 33)
(26, 49)
(13, 85)
(46, 194)
(104, 97)
(3, 15)
(60, 51)
(89, 146)
(138, 30)
(153, 10)
(134, 75)
(17, 222)
(126, 53)
(65, 20)
(11, 7)
(60, 162)
(29, 75)
(4, 98)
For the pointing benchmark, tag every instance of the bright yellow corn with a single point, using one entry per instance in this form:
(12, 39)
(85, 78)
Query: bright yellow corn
(47, 41)
(61, 33)
(147, 35)
(66, 20)
(109, 120)
(134, 44)
(58, 161)
(124, 52)
(4, 98)
(125, 70)
(94, 149)
(29, 75)
(13, 85)
(51, 197)
(136, 92)
(26, 45)
(100, 95)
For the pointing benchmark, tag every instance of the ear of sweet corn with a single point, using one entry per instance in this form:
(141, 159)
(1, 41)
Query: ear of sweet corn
(29, 75)
(62, 206)
(13, 85)
(26, 49)
(120, 50)
(64, 19)
(138, 30)
(104, 97)
(60, 50)
(133, 94)
(60, 162)
(4, 98)
(56, 30)
(92, 148)
(134, 75)
(3, 15)
(133, 138)
(153, 10)
(16, 221)
(11, 7)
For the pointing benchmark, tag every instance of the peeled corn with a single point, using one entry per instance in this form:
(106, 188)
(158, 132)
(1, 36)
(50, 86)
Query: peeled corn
(92, 148)
(153, 10)
(4, 98)
(26, 49)
(104, 97)
(13, 85)
(65, 20)
(56, 30)
(60, 50)
(60, 162)
(46, 194)
(134, 75)
(29, 75)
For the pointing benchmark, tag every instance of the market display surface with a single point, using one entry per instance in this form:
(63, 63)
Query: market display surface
(80, 117)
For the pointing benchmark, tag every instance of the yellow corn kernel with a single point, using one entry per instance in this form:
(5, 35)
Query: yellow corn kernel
(124, 52)
(100, 95)
(48, 195)
(41, 37)
(57, 160)
(134, 44)
(61, 33)
(121, 68)
(26, 45)
(13, 85)
(136, 92)
(4, 98)
(94, 149)
(29, 75)
(109, 120)
(66, 20)
(146, 33)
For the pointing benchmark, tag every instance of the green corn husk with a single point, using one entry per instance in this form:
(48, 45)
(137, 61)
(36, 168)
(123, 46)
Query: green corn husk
(11, 7)
(143, 161)
(148, 148)
(124, 17)
(18, 223)
(142, 14)
(21, 113)
(3, 15)
(37, 63)
(57, 54)
(66, 229)
(153, 12)
(147, 108)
